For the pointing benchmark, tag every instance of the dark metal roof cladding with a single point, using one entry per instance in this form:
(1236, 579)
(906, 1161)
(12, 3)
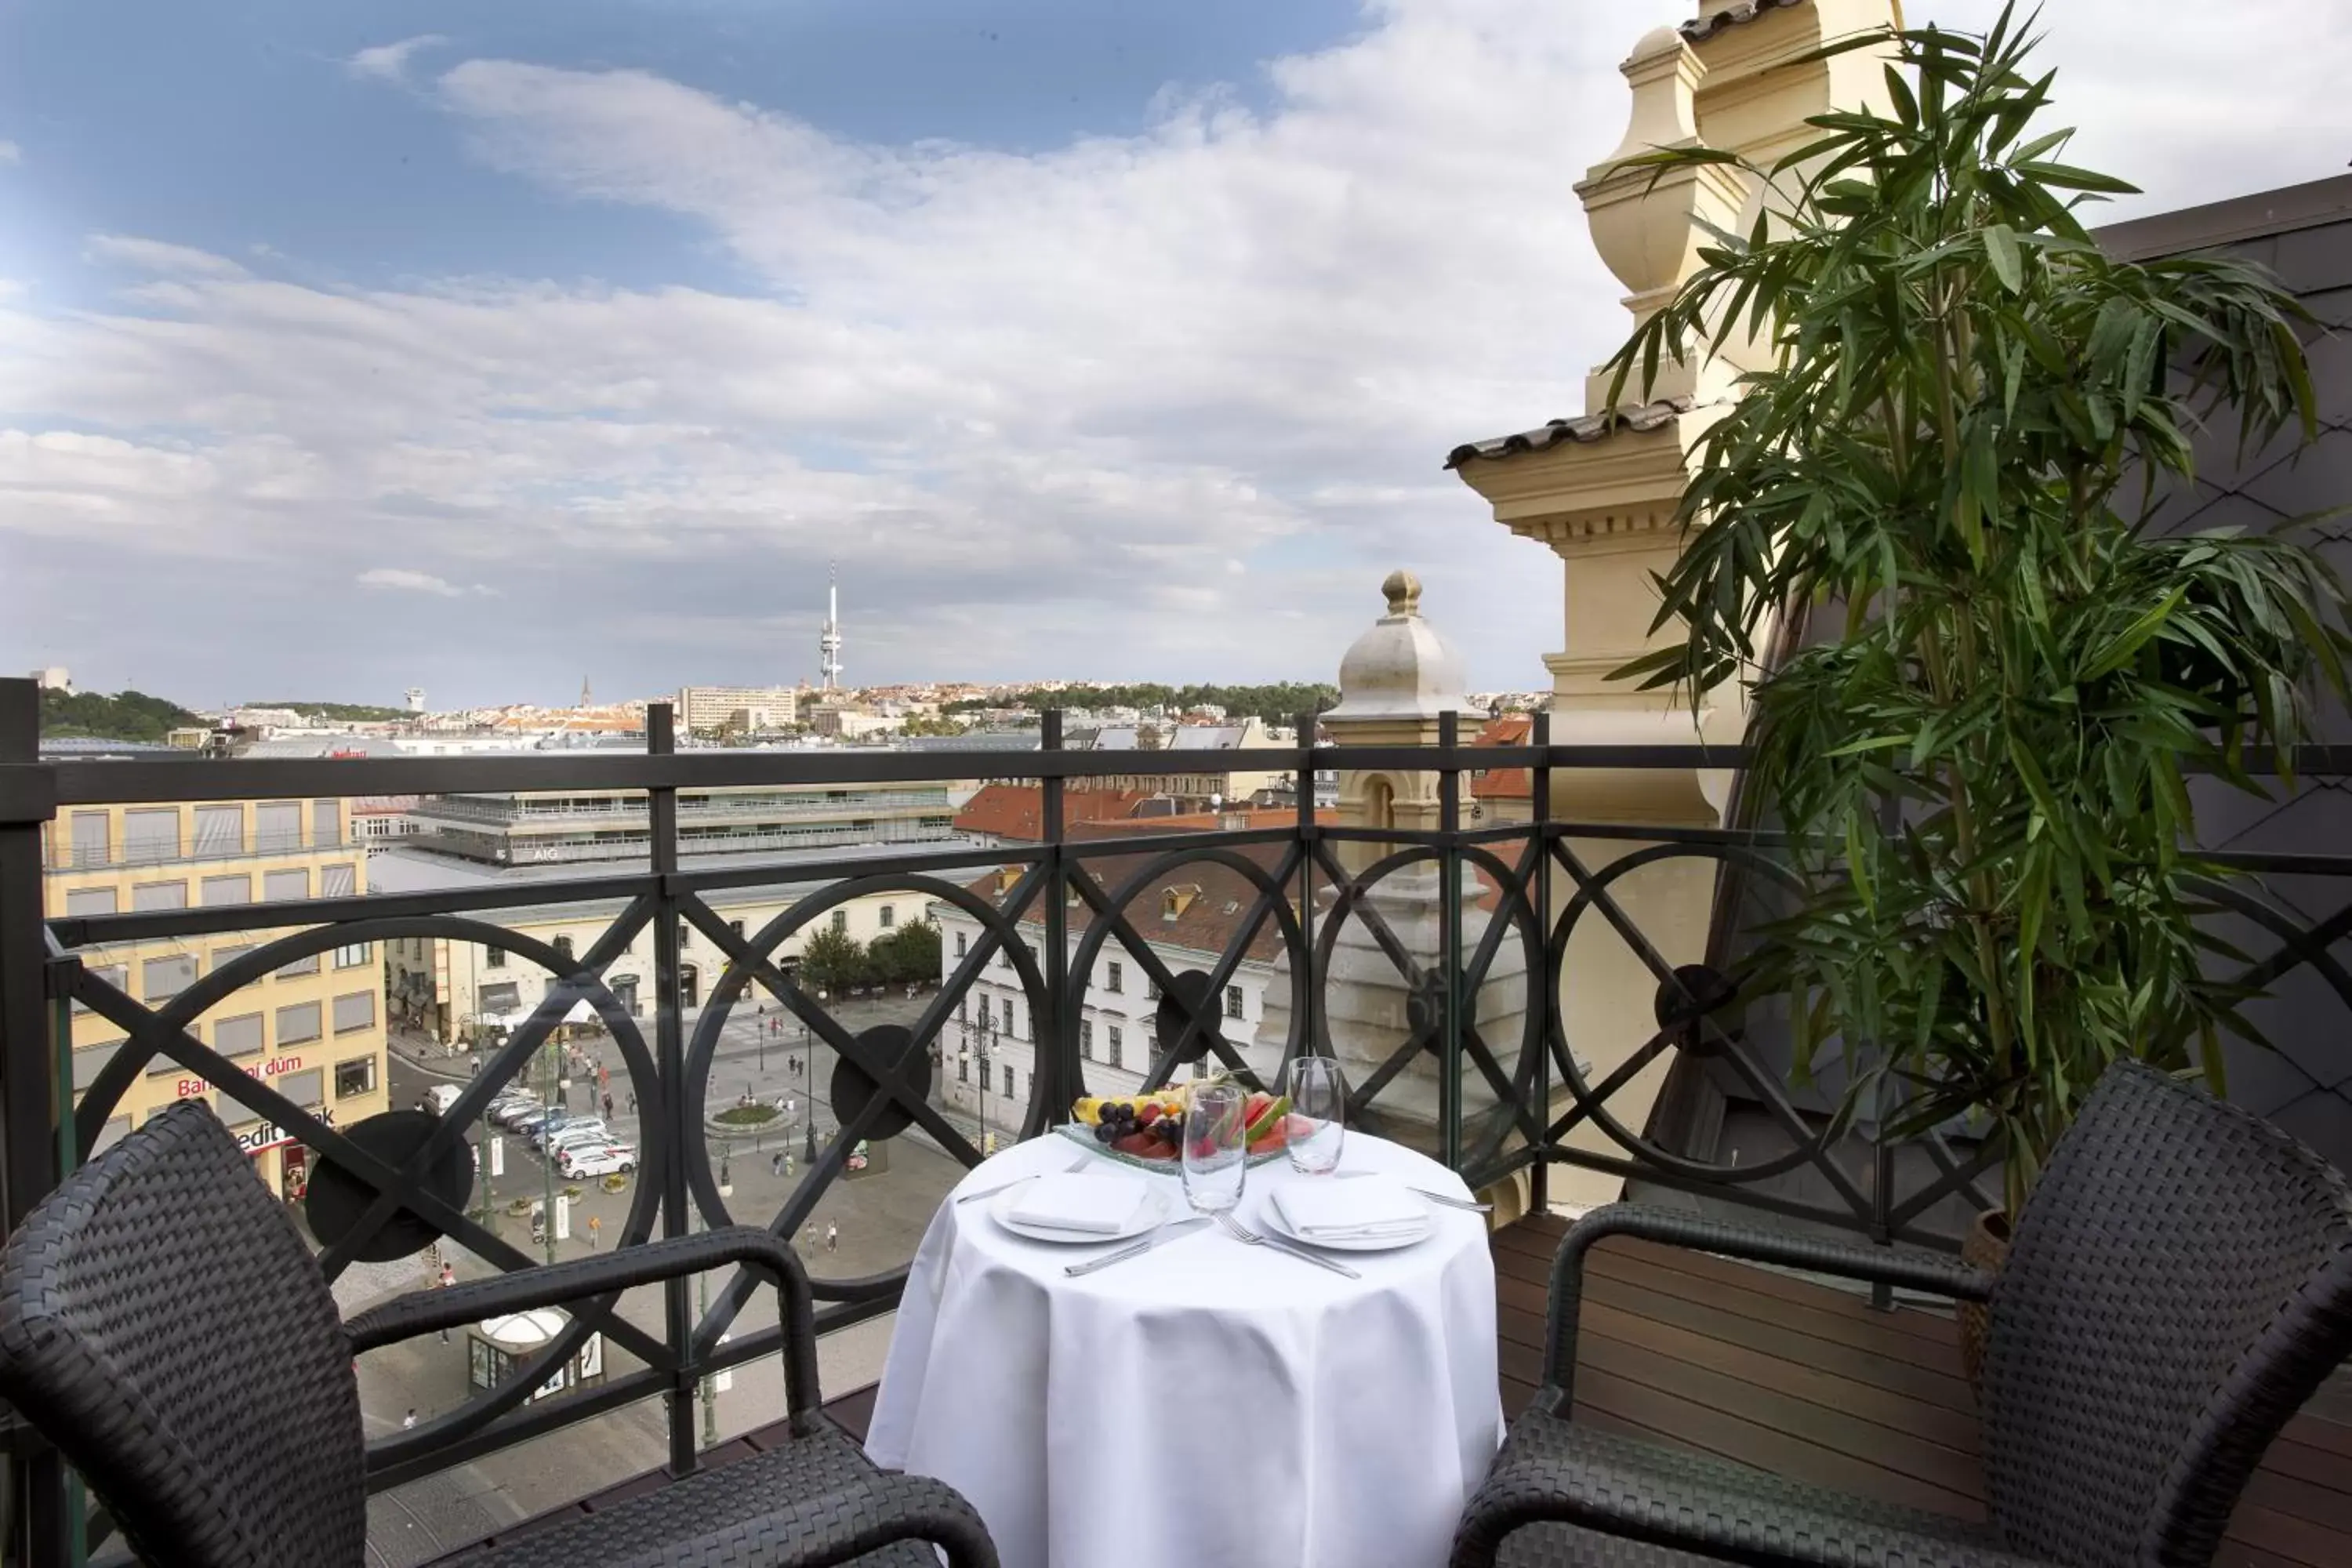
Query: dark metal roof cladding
(1591, 428)
(1698, 29)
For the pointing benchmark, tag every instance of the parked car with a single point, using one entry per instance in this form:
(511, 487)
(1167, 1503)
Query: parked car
(575, 1135)
(532, 1121)
(509, 1108)
(598, 1160)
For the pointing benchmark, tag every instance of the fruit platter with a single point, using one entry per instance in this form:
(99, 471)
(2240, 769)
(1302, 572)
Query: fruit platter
(1146, 1130)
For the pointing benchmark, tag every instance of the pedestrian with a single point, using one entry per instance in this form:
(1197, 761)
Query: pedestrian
(788, 1103)
(832, 1235)
(448, 1278)
(608, 1105)
(633, 1102)
(776, 1164)
(595, 1231)
(408, 1420)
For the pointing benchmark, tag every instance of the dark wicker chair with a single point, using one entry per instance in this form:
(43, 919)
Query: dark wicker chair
(164, 1324)
(2180, 1282)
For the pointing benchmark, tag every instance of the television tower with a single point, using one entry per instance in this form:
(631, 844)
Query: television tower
(828, 641)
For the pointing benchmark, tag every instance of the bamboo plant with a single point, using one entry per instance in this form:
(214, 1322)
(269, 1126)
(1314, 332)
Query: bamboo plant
(1964, 426)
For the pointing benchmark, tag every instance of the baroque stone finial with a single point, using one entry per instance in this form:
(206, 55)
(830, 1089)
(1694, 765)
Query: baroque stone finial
(1404, 591)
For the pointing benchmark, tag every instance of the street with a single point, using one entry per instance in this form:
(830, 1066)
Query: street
(879, 1217)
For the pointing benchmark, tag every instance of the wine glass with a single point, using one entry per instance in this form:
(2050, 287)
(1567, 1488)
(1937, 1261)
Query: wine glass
(1319, 1114)
(1215, 1160)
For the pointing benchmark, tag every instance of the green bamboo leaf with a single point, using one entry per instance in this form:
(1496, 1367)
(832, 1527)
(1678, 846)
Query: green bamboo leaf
(2000, 250)
(2073, 179)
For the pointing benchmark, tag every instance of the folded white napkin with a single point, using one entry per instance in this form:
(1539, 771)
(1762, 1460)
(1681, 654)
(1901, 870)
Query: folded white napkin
(1374, 1206)
(1097, 1203)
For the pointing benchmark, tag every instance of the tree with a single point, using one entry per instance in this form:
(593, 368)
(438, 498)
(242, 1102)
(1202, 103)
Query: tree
(126, 715)
(908, 955)
(832, 961)
(1961, 388)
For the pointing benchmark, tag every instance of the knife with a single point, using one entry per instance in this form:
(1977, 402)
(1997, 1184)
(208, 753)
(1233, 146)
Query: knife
(1168, 1232)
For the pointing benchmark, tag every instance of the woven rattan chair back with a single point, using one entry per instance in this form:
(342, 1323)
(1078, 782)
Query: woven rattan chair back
(2180, 1283)
(162, 1323)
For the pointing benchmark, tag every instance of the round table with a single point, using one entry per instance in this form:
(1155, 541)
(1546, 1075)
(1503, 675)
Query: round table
(1206, 1403)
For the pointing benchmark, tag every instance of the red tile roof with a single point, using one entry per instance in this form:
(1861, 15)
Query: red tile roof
(1018, 811)
(1504, 784)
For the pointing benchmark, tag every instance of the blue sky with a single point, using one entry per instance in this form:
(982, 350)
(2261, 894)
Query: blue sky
(481, 347)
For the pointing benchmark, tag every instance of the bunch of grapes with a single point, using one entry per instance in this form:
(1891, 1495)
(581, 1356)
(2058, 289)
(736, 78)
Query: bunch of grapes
(1120, 1120)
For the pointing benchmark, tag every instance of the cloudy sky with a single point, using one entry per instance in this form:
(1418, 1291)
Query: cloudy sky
(346, 347)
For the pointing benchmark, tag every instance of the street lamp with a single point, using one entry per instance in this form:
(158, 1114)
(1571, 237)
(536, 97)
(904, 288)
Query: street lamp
(983, 1046)
(808, 1088)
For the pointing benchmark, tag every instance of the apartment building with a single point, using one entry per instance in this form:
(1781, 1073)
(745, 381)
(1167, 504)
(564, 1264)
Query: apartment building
(1191, 792)
(715, 707)
(556, 827)
(313, 1030)
(454, 991)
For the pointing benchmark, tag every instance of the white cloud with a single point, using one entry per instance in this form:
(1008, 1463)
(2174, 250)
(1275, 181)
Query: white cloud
(11, 154)
(389, 62)
(408, 581)
(159, 257)
(1165, 403)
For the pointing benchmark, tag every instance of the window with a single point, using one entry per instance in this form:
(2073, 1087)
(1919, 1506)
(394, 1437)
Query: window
(223, 956)
(91, 901)
(162, 978)
(159, 896)
(735, 929)
(1232, 1001)
(1150, 989)
(492, 958)
(90, 840)
(840, 919)
(356, 1076)
(88, 1061)
(964, 944)
(351, 957)
(563, 948)
(149, 836)
(355, 1010)
(1087, 1039)
(339, 881)
(1008, 1083)
(278, 885)
(964, 1068)
(1117, 1054)
(305, 1089)
(307, 964)
(115, 974)
(297, 1024)
(239, 1036)
(1117, 982)
(503, 998)
(237, 889)
(889, 915)
(220, 831)
(1008, 1014)
(326, 823)
(685, 936)
(278, 826)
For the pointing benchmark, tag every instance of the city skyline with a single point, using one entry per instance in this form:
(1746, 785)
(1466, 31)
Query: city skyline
(458, 350)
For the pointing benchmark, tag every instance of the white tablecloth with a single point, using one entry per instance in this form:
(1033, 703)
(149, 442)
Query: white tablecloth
(1340, 1422)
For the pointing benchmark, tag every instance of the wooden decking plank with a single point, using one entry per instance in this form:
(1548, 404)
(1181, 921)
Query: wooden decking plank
(1937, 1327)
(2305, 1463)
(1767, 1338)
(2334, 1437)
(2301, 1499)
(1954, 1430)
(1828, 1327)
(1718, 1432)
(2298, 1541)
(1865, 1443)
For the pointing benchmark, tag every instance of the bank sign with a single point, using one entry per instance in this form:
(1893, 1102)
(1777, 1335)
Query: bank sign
(268, 1135)
(277, 1067)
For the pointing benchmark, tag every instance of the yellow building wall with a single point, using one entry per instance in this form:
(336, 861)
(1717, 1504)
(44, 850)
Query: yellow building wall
(281, 1028)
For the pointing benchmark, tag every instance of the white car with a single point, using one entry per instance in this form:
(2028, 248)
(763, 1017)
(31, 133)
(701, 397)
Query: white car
(441, 1097)
(572, 1133)
(598, 1160)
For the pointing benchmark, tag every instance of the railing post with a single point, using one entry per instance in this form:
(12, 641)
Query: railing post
(1057, 1039)
(1544, 988)
(669, 1055)
(30, 1103)
(1305, 985)
(1449, 939)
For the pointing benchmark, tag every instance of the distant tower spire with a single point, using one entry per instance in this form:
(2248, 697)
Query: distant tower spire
(583, 691)
(828, 641)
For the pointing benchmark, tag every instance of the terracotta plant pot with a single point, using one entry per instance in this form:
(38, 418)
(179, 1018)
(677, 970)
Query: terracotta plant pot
(1985, 1247)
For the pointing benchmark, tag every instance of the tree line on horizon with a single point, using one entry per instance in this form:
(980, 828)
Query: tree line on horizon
(1275, 703)
(125, 716)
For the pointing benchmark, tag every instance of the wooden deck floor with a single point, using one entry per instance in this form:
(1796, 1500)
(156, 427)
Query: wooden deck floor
(1799, 1379)
(1814, 1383)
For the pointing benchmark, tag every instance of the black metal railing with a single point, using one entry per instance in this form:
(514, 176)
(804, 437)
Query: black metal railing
(1464, 937)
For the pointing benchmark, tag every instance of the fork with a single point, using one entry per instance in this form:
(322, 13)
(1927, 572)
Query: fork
(990, 1192)
(1249, 1238)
